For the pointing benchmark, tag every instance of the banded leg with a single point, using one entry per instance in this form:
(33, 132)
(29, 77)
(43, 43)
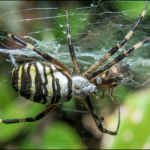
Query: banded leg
(38, 51)
(103, 68)
(118, 46)
(98, 120)
(38, 117)
(71, 49)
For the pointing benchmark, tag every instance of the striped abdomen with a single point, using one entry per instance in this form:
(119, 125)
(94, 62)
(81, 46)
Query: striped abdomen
(42, 83)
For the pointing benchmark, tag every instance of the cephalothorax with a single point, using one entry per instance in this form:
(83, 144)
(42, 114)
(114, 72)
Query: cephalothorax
(49, 84)
(82, 86)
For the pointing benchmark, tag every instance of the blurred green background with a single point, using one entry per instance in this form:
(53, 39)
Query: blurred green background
(96, 26)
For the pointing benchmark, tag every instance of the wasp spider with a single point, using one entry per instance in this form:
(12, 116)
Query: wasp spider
(53, 84)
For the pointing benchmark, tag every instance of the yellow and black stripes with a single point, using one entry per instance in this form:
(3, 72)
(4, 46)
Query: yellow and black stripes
(99, 71)
(25, 81)
(42, 83)
(70, 83)
(71, 49)
(118, 46)
(38, 51)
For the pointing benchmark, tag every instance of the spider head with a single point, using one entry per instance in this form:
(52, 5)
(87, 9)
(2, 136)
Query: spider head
(82, 87)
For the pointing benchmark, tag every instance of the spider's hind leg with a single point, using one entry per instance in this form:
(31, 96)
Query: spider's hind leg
(38, 117)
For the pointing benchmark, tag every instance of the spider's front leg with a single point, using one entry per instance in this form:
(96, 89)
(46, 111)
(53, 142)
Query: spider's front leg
(117, 47)
(98, 120)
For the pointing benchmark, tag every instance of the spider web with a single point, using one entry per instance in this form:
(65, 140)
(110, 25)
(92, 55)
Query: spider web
(96, 27)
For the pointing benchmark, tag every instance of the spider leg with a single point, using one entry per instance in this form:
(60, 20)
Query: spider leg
(97, 97)
(118, 46)
(98, 120)
(38, 117)
(111, 92)
(38, 51)
(71, 49)
(110, 96)
(103, 68)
